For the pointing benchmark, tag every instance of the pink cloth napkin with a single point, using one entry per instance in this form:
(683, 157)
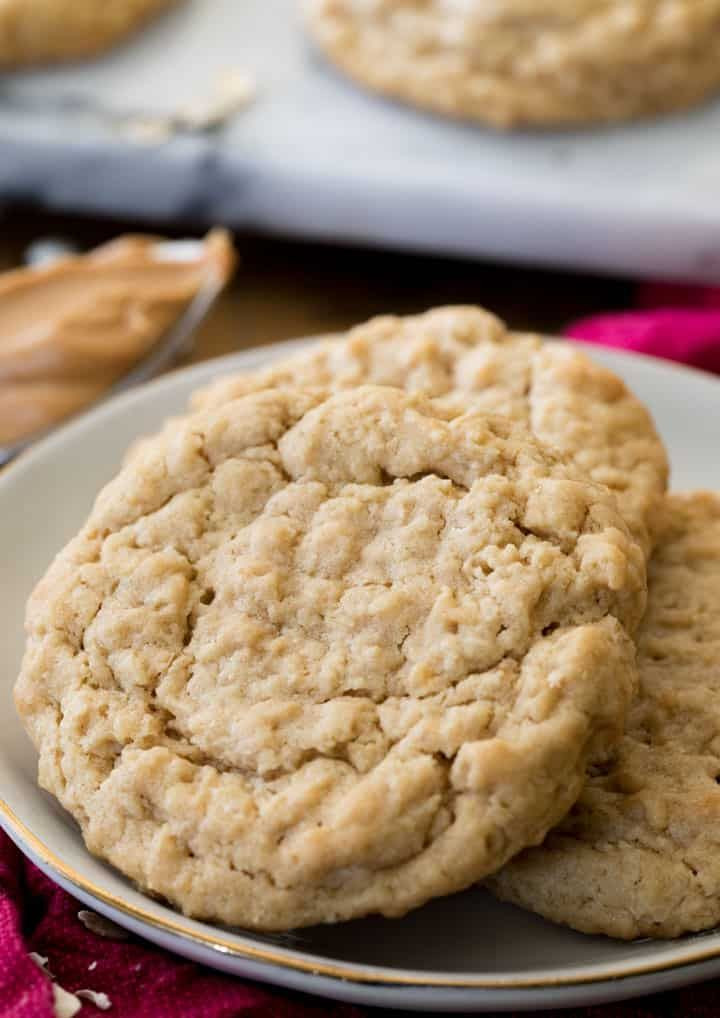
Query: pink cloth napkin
(140, 981)
(680, 323)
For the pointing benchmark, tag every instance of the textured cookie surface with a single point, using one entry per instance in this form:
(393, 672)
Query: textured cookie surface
(639, 856)
(527, 61)
(562, 396)
(39, 31)
(310, 659)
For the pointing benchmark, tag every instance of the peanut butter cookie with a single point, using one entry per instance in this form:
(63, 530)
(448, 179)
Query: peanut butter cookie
(45, 31)
(540, 62)
(639, 855)
(312, 658)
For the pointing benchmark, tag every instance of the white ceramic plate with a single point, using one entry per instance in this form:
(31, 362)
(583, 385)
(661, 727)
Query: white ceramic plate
(316, 156)
(465, 953)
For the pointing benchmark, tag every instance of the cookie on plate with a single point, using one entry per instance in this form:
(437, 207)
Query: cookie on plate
(533, 62)
(43, 31)
(639, 856)
(565, 399)
(313, 658)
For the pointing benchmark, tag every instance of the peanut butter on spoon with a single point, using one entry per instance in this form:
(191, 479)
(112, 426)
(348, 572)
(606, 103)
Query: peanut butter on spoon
(71, 329)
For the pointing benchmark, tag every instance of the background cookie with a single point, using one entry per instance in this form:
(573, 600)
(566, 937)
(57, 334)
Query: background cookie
(639, 856)
(565, 399)
(309, 660)
(39, 31)
(527, 61)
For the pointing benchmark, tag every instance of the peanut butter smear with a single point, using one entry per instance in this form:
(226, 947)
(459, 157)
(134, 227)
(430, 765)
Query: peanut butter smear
(70, 330)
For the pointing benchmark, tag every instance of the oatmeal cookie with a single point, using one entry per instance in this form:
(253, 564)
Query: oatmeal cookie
(639, 856)
(313, 658)
(533, 62)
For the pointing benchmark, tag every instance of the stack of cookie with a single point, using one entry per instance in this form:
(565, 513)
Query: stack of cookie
(360, 630)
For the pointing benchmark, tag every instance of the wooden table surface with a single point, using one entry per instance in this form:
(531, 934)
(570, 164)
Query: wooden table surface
(284, 289)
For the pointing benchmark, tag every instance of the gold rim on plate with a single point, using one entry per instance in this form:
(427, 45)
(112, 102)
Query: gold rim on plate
(23, 836)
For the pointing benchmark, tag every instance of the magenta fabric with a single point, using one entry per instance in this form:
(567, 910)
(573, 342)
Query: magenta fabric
(141, 981)
(679, 323)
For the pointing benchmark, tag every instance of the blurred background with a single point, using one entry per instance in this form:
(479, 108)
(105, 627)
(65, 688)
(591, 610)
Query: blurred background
(342, 203)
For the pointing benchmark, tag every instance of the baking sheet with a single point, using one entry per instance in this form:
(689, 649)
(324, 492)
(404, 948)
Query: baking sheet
(314, 156)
